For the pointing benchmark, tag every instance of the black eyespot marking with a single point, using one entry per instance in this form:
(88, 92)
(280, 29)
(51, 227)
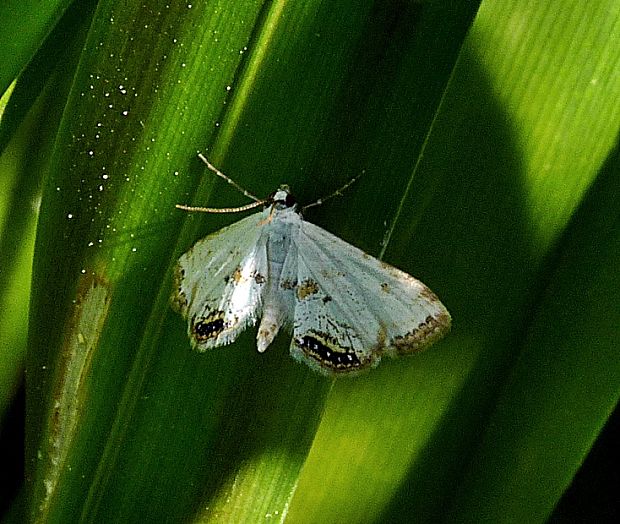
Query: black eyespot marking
(327, 353)
(206, 329)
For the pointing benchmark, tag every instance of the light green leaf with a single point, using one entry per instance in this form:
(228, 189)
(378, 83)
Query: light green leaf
(523, 131)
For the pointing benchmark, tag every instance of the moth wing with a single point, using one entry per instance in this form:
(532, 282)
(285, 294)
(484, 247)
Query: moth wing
(351, 308)
(219, 283)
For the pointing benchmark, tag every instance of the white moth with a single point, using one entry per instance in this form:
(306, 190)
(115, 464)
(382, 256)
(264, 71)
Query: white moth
(345, 308)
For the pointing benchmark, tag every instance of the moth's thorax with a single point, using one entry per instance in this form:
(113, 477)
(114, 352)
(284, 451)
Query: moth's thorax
(283, 221)
(282, 226)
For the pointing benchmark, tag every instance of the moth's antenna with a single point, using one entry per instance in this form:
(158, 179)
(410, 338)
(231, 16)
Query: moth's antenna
(221, 209)
(338, 192)
(257, 201)
(228, 179)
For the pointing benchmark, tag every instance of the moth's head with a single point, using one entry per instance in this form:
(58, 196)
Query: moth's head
(282, 198)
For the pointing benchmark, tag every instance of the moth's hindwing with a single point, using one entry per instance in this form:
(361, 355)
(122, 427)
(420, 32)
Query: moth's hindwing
(351, 308)
(219, 283)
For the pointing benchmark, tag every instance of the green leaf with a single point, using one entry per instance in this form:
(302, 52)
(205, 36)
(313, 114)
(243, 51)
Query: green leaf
(566, 382)
(477, 147)
(28, 123)
(514, 164)
(24, 24)
(56, 57)
(113, 351)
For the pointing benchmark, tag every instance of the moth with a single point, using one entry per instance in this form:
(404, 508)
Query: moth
(345, 309)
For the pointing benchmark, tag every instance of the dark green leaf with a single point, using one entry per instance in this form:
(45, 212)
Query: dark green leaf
(24, 24)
